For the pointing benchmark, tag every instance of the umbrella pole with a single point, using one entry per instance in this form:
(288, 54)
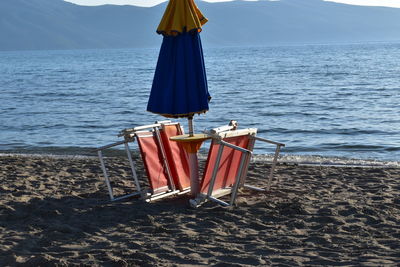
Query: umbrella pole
(193, 163)
(190, 124)
(194, 174)
(192, 144)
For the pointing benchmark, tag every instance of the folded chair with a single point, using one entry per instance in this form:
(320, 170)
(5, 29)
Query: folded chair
(165, 162)
(227, 164)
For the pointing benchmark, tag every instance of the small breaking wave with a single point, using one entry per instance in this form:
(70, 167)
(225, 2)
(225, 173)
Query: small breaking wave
(316, 160)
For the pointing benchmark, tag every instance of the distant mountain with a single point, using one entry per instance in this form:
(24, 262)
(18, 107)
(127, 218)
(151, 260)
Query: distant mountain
(55, 24)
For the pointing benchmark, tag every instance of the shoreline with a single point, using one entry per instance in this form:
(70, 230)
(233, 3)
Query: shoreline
(288, 159)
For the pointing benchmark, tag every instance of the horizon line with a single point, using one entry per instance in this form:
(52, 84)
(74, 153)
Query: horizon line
(153, 3)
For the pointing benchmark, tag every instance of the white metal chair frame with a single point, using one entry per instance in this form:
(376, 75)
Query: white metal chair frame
(218, 134)
(129, 136)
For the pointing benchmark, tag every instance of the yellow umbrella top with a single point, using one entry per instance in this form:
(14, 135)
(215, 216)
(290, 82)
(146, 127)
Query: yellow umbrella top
(180, 16)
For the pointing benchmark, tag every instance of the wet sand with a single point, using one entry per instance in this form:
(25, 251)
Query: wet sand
(56, 212)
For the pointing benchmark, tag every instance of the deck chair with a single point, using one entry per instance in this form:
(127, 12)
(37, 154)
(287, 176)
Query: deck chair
(165, 162)
(227, 165)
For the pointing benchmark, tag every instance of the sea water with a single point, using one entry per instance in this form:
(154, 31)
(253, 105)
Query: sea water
(322, 101)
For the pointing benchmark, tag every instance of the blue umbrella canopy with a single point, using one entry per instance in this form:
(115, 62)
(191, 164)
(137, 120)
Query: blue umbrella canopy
(180, 84)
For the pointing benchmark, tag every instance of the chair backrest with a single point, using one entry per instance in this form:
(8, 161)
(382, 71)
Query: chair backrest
(153, 161)
(176, 155)
(229, 164)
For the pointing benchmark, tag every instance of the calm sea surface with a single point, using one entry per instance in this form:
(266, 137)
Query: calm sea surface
(326, 100)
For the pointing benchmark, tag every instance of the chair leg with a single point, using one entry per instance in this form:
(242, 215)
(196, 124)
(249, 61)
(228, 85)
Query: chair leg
(237, 182)
(135, 178)
(215, 170)
(271, 173)
(107, 178)
(103, 167)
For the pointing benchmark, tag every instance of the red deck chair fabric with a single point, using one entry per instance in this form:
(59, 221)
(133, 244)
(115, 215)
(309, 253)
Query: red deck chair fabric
(176, 156)
(153, 162)
(229, 164)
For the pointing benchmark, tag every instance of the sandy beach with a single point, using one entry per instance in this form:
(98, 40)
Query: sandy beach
(56, 212)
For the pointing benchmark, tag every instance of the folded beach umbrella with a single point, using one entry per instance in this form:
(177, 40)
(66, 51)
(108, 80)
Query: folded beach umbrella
(180, 85)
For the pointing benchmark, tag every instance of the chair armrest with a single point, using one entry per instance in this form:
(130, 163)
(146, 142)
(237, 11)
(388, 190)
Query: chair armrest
(269, 141)
(241, 149)
(111, 145)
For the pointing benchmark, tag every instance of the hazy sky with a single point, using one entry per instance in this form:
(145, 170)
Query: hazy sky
(390, 3)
